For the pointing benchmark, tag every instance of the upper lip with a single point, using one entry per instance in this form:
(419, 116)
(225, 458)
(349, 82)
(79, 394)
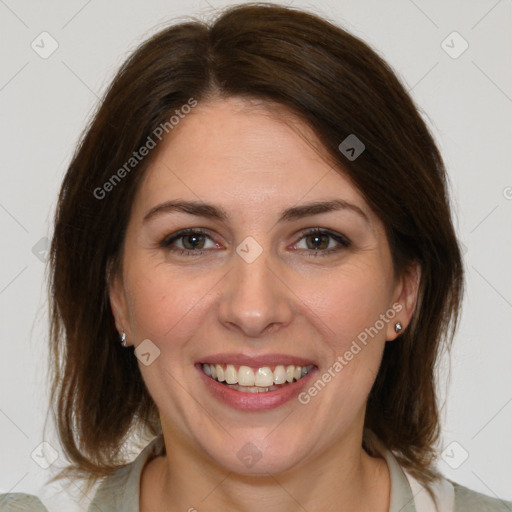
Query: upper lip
(256, 361)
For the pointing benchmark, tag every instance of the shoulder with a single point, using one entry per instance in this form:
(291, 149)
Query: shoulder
(20, 502)
(467, 500)
(121, 489)
(113, 489)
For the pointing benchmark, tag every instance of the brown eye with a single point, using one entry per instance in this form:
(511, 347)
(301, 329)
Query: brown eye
(193, 241)
(317, 241)
(322, 242)
(189, 242)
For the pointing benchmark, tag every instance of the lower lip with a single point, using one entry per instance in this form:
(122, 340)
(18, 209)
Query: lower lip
(255, 401)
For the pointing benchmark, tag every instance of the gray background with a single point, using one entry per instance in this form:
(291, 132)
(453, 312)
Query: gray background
(466, 99)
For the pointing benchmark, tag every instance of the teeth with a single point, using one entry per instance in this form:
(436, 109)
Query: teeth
(251, 389)
(280, 375)
(263, 379)
(219, 370)
(231, 375)
(245, 376)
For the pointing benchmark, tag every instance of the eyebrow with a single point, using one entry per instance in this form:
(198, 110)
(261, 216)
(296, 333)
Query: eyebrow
(210, 211)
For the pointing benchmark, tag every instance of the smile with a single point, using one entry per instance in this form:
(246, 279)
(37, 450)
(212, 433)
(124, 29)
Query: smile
(255, 380)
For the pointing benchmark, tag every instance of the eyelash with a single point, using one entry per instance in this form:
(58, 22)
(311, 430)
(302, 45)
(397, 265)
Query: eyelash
(343, 242)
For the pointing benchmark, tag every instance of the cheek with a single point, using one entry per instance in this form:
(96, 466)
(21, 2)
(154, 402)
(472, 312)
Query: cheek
(348, 300)
(348, 305)
(165, 305)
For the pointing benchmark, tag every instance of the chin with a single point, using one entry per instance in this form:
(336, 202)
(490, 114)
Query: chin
(257, 457)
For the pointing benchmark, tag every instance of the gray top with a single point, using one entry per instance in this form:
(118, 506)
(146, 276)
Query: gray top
(120, 491)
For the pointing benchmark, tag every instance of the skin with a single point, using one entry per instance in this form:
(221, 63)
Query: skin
(255, 162)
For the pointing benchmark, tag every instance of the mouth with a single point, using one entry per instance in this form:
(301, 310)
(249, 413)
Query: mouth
(257, 383)
(262, 379)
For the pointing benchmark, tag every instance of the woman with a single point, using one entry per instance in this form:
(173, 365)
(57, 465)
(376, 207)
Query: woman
(254, 264)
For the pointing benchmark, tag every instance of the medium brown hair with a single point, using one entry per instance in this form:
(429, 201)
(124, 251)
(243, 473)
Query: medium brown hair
(336, 84)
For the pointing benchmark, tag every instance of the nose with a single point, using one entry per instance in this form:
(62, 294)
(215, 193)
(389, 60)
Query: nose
(255, 300)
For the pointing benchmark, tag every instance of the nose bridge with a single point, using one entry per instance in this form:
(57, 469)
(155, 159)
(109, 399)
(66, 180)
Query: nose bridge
(254, 298)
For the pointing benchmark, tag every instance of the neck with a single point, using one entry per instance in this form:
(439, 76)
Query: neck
(344, 479)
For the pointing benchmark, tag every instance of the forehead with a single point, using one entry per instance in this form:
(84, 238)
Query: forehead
(244, 156)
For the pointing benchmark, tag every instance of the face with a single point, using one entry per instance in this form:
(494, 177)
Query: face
(260, 280)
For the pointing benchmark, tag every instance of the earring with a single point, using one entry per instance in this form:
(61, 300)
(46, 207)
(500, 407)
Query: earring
(398, 327)
(123, 339)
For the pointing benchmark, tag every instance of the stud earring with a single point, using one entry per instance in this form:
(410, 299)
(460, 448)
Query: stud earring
(398, 327)
(123, 339)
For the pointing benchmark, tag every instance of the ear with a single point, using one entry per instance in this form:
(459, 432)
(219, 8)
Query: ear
(405, 297)
(118, 302)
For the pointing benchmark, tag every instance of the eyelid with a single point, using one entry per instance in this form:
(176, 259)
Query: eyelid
(342, 240)
(169, 239)
(339, 237)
